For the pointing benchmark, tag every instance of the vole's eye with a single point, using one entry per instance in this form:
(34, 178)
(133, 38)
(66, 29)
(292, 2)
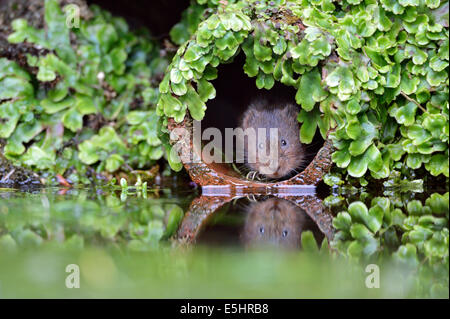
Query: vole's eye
(285, 233)
(283, 142)
(261, 230)
(261, 145)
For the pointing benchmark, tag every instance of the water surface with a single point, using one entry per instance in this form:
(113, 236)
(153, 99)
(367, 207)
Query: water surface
(173, 242)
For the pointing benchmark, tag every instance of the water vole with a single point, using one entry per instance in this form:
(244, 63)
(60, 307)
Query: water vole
(275, 222)
(274, 155)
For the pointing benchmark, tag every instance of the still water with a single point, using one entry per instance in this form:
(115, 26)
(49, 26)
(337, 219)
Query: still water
(174, 242)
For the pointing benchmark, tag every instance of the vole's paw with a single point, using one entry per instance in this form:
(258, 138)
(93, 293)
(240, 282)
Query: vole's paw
(252, 175)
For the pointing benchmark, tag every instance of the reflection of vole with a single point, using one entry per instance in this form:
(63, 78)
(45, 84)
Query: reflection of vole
(289, 153)
(274, 222)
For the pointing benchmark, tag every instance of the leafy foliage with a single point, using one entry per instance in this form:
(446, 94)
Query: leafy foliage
(375, 71)
(92, 77)
(415, 233)
(107, 219)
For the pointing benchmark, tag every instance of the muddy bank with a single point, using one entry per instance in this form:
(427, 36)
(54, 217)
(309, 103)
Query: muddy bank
(33, 12)
(14, 176)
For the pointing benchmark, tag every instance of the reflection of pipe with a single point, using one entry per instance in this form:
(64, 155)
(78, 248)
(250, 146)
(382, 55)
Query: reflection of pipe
(221, 174)
(204, 206)
(201, 208)
(315, 209)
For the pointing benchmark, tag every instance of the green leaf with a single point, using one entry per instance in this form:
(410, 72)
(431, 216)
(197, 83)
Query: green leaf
(227, 42)
(375, 161)
(73, 119)
(358, 210)
(173, 159)
(439, 204)
(95, 148)
(175, 76)
(360, 231)
(262, 53)
(372, 218)
(113, 162)
(136, 117)
(40, 158)
(9, 117)
(175, 216)
(206, 90)
(419, 234)
(415, 208)
(280, 47)
(404, 114)
(58, 93)
(437, 246)
(342, 158)
(309, 122)
(308, 241)
(194, 103)
(407, 254)
(11, 68)
(310, 90)
(438, 164)
(265, 81)
(12, 88)
(342, 221)
(53, 107)
(418, 134)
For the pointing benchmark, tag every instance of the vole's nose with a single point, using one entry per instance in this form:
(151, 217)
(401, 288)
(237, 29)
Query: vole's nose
(275, 166)
(276, 172)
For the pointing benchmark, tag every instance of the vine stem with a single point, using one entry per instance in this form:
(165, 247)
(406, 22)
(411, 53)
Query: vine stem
(414, 101)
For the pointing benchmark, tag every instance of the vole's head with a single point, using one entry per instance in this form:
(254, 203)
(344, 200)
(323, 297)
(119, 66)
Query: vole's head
(276, 150)
(274, 222)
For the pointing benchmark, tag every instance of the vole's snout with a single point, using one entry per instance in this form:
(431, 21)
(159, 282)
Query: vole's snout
(273, 155)
(272, 169)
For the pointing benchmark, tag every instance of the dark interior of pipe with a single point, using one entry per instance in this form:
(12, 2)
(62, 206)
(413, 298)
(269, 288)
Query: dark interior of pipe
(235, 91)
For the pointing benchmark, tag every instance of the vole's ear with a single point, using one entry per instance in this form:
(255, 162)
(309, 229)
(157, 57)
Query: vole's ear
(260, 104)
(291, 110)
(248, 118)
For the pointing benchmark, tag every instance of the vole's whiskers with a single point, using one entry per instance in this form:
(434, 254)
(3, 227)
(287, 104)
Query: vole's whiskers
(251, 198)
(252, 175)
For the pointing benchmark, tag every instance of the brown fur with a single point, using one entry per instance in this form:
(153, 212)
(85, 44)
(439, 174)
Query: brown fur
(261, 114)
(275, 222)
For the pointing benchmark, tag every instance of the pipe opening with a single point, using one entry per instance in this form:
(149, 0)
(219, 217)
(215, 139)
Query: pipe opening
(235, 91)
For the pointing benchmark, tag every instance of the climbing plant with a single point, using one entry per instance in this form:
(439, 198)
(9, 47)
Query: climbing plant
(375, 72)
(86, 99)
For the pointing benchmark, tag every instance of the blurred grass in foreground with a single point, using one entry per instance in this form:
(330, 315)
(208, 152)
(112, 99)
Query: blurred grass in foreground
(194, 273)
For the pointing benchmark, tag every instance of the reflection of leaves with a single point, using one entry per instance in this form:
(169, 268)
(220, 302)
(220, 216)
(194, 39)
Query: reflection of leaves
(105, 219)
(174, 220)
(415, 232)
